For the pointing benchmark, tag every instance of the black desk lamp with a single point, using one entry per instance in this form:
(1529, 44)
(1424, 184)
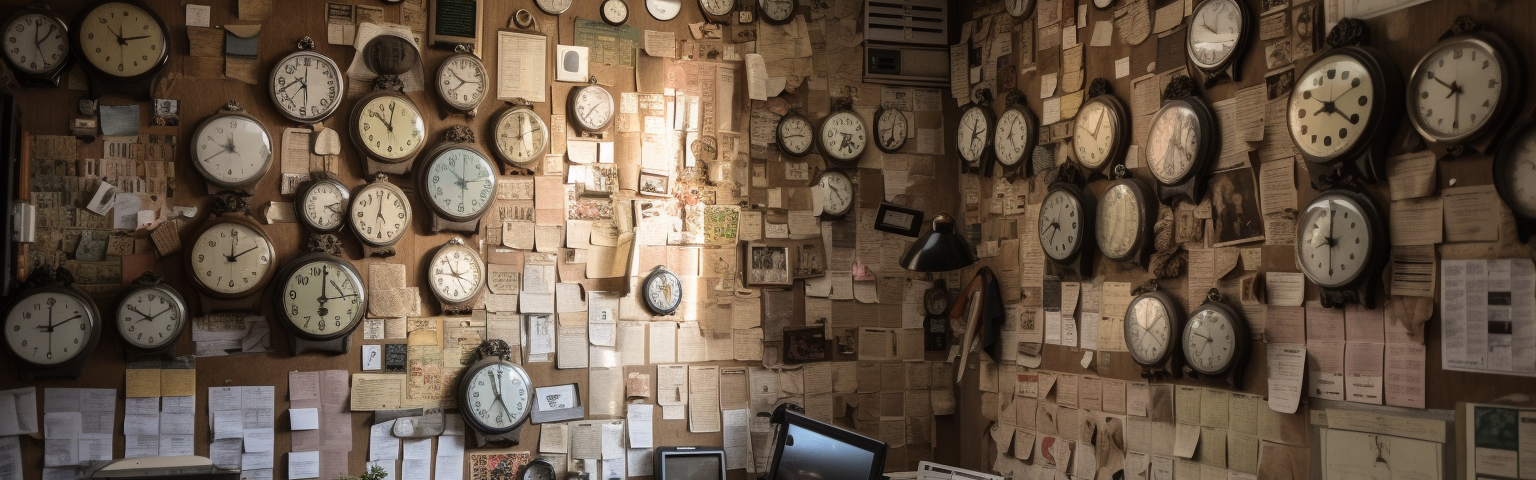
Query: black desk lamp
(940, 250)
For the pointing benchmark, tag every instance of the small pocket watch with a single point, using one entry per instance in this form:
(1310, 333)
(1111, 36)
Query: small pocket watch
(1464, 90)
(380, 214)
(836, 194)
(1218, 37)
(590, 108)
(1182, 144)
(231, 258)
(306, 86)
(793, 134)
(1341, 245)
(1101, 132)
(890, 129)
(458, 182)
(843, 137)
(320, 298)
(1153, 322)
(50, 326)
(37, 47)
(663, 291)
(1126, 212)
(1216, 340)
(973, 136)
(462, 82)
(233, 149)
(151, 315)
(495, 396)
(1018, 130)
(386, 125)
(456, 276)
(1343, 110)
(322, 203)
(1066, 221)
(521, 137)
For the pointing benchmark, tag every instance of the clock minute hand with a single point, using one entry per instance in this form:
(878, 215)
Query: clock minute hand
(136, 38)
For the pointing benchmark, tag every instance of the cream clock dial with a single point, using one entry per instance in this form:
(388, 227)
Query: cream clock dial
(1015, 138)
(1119, 222)
(1210, 341)
(794, 134)
(615, 12)
(1214, 33)
(458, 183)
(495, 397)
(323, 205)
(836, 194)
(122, 40)
(777, 11)
(1019, 8)
(321, 297)
(36, 44)
(306, 86)
(1334, 241)
(664, 10)
(1457, 89)
(461, 81)
(1094, 134)
(50, 326)
(151, 316)
(973, 134)
(553, 7)
(456, 273)
(1331, 106)
(1172, 143)
(1149, 329)
(389, 128)
(1062, 218)
(590, 108)
(663, 291)
(890, 129)
(843, 136)
(232, 259)
(521, 136)
(380, 214)
(717, 9)
(232, 150)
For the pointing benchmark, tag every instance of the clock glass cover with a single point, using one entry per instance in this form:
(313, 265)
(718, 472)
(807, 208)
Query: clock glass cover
(794, 134)
(776, 11)
(972, 135)
(458, 183)
(321, 297)
(836, 193)
(49, 326)
(36, 44)
(843, 136)
(305, 87)
(1457, 89)
(1149, 329)
(461, 81)
(1210, 341)
(1331, 106)
(323, 205)
(457, 273)
(496, 397)
(1173, 140)
(521, 136)
(151, 316)
(553, 7)
(1214, 31)
(1334, 240)
(232, 259)
(591, 108)
(891, 126)
(1061, 220)
(232, 150)
(664, 9)
(1016, 131)
(122, 40)
(1095, 133)
(663, 292)
(1119, 222)
(1514, 170)
(380, 214)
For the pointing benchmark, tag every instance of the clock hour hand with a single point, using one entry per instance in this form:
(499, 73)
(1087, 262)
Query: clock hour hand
(135, 309)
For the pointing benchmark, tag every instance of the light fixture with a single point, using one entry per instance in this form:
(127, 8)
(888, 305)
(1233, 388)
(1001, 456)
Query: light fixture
(939, 250)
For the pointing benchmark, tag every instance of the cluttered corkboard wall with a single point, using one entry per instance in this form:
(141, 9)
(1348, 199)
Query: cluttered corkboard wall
(736, 166)
(1008, 53)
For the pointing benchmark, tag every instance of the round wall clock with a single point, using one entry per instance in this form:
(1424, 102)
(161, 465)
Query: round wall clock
(615, 12)
(380, 214)
(233, 149)
(1014, 141)
(320, 300)
(1123, 228)
(1152, 325)
(305, 85)
(777, 12)
(51, 329)
(151, 315)
(843, 138)
(520, 135)
(37, 45)
(553, 7)
(457, 181)
(1019, 8)
(718, 11)
(1216, 340)
(231, 257)
(663, 291)
(1514, 176)
(590, 108)
(1103, 4)
(664, 10)
(1342, 112)
(1100, 133)
(836, 194)
(1065, 223)
(1341, 245)
(389, 129)
(1464, 90)
(793, 134)
(461, 83)
(890, 129)
(1181, 146)
(322, 203)
(973, 136)
(456, 276)
(495, 395)
(1218, 35)
(123, 43)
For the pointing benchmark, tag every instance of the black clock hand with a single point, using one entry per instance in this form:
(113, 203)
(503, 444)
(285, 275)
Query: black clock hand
(241, 254)
(1447, 86)
(135, 38)
(134, 309)
(62, 322)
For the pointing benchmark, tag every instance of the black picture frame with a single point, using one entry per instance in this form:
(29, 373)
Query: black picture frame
(806, 344)
(448, 28)
(899, 220)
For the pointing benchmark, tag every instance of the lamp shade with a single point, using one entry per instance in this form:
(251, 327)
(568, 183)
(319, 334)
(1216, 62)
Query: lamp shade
(939, 250)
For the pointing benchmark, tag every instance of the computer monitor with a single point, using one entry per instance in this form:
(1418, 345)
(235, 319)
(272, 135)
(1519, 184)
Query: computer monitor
(807, 449)
(690, 463)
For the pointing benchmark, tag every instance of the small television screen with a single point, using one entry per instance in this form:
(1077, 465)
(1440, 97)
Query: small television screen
(690, 463)
(807, 449)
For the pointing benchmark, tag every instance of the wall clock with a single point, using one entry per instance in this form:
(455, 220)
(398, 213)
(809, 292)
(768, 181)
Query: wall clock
(890, 129)
(233, 149)
(1018, 130)
(553, 7)
(37, 45)
(379, 215)
(231, 258)
(1216, 340)
(836, 194)
(1126, 213)
(1514, 176)
(520, 135)
(973, 138)
(1100, 133)
(664, 10)
(124, 46)
(1152, 327)
(777, 12)
(1066, 221)
(1217, 38)
(718, 11)
(793, 134)
(495, 396)
(1341, 245)
(615, 12)
(386, 125)
(52, 328)
(457, 181)
(456, 276)
(590, 108)
(1342, 112)
(843, 137)
(663, 291)
(1103, 4)
(151, 315)
(538, 469)
(936, 317)
(461, 83)
(1019, 8)
(1464, 90)
(1181, 146)
(305, 85)
(320, 299)
(322, 203)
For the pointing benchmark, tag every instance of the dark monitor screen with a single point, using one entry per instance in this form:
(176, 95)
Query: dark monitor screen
(691, 463)
(806, 449)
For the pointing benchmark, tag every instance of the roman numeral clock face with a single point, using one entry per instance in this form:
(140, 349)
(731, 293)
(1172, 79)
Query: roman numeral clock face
(1456, 90)
(1331, 106)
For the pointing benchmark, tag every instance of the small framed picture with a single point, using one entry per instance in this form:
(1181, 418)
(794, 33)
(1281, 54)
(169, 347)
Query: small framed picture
(654, 183)
(805, 344)
(768, 265)
(898, 220)
(571, 63)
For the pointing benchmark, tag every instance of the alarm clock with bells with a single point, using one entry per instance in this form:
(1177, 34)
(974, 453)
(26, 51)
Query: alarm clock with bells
(1216, 341)
(306, 86)
(50, 326)
(231, 258)
(590, 108)
(1343, 109)
(1464, 90)
(379, 215)
(386, 125)
(1018, 130)
(322, 203)
(1341, 245)
(458, 182)
(151, 315)
(1126, 212)
(793, 134)
(495, 396)
(123, 45)
(520, 134)
(1100, 133)
(890, 129)
(1182, 144)
(836, 192)
(232, 149)
(37, 45)
(842, 137)
(320, 298)
(936, 317)
(462, 82)
(662, 291)
(973, 136)
(1218, 37)
(1152, 327)
(456, 276)
(1514, 176)
(1066, 226)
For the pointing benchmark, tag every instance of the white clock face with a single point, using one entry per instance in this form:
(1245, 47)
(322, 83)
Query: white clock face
(1209, 341)
(36, 43)
(836, 193)
(794, 135)
(321, 298)
(1015, 131)
(380, 215)
(973, 134)
(1456, 89)
(553, 7)
(1214, 31)
(1331, 106)
(718, 8)
(150, 317)
(615, 11)
(49, 328)
(498, 397)
(521, 136)
(780, 10)
(305, 86)
(892, 129)
(324, 205)
(1148, 333)
(1061, 221)
(1333, 241)
(1103, 3)
(1172, 141)
(460, 182)
(390, 128)
(231, 258)
(592, 108)
(664, 9)
(233, 150)
(1119, 221)
(843, 136)
(121, 39)
(664, 292)
(1019, 8)
(1519, 173)
(456, 274)
(461, 81)
(1094, 136)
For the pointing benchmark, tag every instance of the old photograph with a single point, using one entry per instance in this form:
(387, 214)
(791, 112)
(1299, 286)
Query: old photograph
(1235, 209)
